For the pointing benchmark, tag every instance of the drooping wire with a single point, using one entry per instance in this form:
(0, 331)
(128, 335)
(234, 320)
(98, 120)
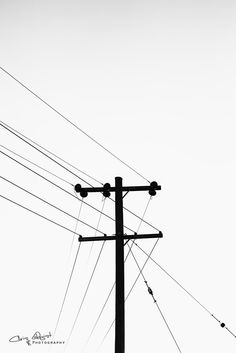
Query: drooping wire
(66, 292)
(9, 128)
(73, 124)
(85, 294)
(142, 219)
(98, 225)
(59, 187)
(50, 204)
(38, 214)
(98, 318)
(154, 300)
(102, 310)
(130, 291)
(222, 324)
(62, 306)
(113, 286)
(144, 213)
(36, 165)
(76, 225)
(16, 132)
(50, 152)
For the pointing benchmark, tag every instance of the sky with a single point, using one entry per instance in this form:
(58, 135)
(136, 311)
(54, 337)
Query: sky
(154, 82)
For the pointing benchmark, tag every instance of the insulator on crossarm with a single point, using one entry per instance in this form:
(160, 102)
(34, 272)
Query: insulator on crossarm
(106, 190)
(83, 193)
(153, 188)
(77, 187)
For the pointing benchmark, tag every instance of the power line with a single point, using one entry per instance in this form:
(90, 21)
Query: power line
(144, 213)
(222, 324)
(73, 124)
(36, 165)
(85, 294)
(9, 128)
(37, 149)
(59, 187)
(99, 315)
(76, 225)
(67, 288)
(169, 275)
(155, 301)
(98, 224)
(50, 204)
(140, 218)
(50, 152)
(38, 214)
(62, 306)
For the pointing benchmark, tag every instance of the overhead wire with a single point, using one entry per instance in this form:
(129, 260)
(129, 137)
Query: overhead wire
(67, 289)
(9, 128)
(99, 316)
(98, 225)
(144, 213)
(50, 152)
(155, 301)
(38, 214)
(45, 154)
(222, 324)
(76, 225)
(36, 165)
(71, 123)
(61, 188)
(50, 204)
(85, 294)
(68, 285)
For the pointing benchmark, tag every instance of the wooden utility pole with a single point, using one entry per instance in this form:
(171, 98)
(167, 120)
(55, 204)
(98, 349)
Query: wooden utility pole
(119, 239)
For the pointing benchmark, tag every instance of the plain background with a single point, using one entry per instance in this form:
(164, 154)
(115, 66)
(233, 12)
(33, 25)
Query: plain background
(154, 81)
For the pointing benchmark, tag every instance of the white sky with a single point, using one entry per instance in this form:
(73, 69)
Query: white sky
(154, 81)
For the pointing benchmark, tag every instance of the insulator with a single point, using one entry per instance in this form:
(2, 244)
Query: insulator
(77, 187)
(106, 186)
(153, 187)
(106, 193)
(152, 192)
(222, 324)
(154, 184)
(83, 193)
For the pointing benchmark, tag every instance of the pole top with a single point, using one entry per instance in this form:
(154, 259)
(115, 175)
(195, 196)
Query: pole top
(118, 178)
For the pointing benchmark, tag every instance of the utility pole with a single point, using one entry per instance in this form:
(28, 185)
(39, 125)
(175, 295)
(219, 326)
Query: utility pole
(119, 239)
(120, 278)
